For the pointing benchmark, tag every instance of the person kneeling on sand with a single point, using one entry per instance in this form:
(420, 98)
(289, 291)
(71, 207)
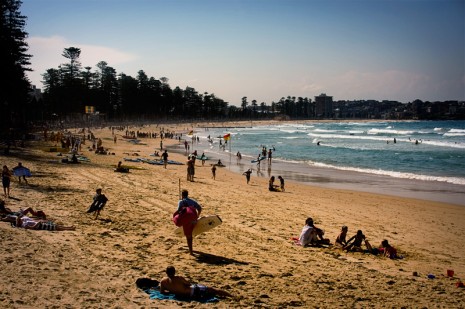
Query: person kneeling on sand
(311, 235)
(181, 287)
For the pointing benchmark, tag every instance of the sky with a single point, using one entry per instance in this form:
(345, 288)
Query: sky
(263, 49)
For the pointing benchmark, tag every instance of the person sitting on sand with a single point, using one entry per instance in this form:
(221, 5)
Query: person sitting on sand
(311, 235)
(99, 202)
(341, 238)
(388, 250)
(220, 163)
(74, 159)
(121, 169)
(181, 287)
(271, 185)
(355, 243)
(281, 182)
(38, 224)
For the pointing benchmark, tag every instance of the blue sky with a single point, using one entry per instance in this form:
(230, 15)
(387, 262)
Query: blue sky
(263, 49)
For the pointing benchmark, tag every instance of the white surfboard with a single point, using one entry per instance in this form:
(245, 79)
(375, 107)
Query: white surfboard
(204, 224)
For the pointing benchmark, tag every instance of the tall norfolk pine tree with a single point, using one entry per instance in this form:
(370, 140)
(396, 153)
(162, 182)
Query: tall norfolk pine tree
(14, 62)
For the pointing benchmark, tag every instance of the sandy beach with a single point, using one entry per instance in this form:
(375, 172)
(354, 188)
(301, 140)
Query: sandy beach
(251, 255)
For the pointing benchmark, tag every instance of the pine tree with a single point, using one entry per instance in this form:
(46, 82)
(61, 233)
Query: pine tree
(14, 62)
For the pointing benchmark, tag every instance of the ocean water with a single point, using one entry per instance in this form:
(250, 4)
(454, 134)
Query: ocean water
(422, 158)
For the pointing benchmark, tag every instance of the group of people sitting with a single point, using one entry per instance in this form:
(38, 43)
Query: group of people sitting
(314, 236)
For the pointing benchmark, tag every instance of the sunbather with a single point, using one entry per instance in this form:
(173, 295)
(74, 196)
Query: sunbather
(181, 287)
(7, 211)
(39, 224)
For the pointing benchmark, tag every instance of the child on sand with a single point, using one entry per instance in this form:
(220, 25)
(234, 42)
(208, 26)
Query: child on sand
(341, 238)
(388, 250)
(355, 243)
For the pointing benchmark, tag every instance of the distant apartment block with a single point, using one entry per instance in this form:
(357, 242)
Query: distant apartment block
(323, 106)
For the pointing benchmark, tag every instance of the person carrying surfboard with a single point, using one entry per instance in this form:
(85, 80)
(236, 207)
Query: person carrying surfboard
(186, 216)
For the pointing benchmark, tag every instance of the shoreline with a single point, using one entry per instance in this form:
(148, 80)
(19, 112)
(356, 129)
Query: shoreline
(342, 180)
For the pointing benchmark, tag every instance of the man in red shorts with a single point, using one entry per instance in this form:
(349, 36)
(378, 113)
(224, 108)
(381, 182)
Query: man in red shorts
(186, 216)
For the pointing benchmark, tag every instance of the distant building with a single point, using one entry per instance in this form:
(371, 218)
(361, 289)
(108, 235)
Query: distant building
(323, 106)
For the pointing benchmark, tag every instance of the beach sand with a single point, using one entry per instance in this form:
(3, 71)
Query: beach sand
(251, 254)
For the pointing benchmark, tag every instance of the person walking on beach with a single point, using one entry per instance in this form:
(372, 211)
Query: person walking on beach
(165, 158)
(6, 179)
(20, 170)
(270, 154)
(214, 171)
(190, 168)
(247, 175)
(186, 216)
(181, 287)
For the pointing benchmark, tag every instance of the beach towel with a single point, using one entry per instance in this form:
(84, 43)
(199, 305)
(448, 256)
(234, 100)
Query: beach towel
(156, 294)
(151, 287)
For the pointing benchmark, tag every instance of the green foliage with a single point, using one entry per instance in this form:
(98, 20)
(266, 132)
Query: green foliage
(14, 63)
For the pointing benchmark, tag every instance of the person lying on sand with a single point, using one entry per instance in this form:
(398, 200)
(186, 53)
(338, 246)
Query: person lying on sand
(181, 287)
(36, 224)
(7, 211)
(311, 235)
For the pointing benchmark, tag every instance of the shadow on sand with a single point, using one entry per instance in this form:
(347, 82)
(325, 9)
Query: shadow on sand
(215, 259)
